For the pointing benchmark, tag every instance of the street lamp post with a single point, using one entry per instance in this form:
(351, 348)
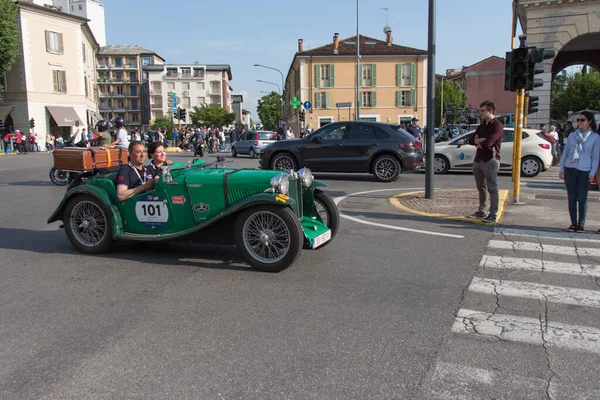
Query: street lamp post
(282, 86)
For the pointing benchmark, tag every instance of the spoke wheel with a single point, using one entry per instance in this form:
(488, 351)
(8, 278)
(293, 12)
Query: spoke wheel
(386, 168)
(58, 176)
(284, 162)
(87, 225)
(269, 237)
(440, 164)
(530, 166)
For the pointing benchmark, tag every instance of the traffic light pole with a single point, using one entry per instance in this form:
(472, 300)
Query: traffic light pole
(516, 173)
(525, 109)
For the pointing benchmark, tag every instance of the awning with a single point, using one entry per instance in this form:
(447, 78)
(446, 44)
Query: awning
(4, 111)
(64, 116)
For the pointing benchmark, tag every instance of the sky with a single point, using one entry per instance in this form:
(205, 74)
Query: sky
(242, 33)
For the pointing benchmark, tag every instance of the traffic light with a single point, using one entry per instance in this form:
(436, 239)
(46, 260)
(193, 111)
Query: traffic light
(517, 69)
(537, 56)
(32, 123)
(302, 116)
(533, 103)
(2, 127)
(178, 113)
(182, 114)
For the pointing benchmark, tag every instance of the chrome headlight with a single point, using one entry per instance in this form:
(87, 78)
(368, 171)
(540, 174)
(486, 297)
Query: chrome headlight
(306, 176)
(281, 182)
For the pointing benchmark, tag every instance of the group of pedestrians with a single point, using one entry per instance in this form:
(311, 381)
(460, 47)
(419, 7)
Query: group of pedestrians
(578, 163)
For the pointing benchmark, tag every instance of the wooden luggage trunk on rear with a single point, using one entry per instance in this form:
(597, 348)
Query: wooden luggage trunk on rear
(89, 158)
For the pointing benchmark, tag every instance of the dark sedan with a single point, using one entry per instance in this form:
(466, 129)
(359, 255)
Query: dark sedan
(356, 146)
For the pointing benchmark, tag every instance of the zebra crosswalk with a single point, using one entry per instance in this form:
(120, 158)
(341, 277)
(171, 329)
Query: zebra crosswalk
(535, 296)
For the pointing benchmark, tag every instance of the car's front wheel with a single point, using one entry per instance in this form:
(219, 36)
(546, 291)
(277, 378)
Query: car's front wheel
(268, 237)
(386, 168)
(233, 152)
(530, 166)
(441, 165)
(87, 225)
(328, 211)
(284, 162)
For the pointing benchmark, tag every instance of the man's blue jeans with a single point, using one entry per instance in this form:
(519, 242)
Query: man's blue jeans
(578, 184)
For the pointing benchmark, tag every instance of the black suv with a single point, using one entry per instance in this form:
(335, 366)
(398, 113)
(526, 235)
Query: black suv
(355, 146)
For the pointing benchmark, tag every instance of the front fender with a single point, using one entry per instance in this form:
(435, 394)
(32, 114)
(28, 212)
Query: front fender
(317, 184)
(100, 195)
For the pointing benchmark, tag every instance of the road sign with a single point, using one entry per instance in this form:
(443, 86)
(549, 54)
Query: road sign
(340, 105)
(295, 102)
(172, 94)
(307, 105)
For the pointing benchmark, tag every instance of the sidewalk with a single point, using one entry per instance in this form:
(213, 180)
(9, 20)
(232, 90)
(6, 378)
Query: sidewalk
(543, 204)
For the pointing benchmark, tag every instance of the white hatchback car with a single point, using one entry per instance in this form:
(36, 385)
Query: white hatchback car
(536, 154)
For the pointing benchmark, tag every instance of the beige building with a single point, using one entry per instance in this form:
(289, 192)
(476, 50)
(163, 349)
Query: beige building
(120, 80)
(53, 79)
(393, 82)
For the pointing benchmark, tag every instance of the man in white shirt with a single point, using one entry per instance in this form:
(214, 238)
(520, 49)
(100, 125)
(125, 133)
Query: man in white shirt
(122, 140)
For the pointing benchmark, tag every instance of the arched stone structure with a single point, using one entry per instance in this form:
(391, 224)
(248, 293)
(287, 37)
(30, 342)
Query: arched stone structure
(570, 28)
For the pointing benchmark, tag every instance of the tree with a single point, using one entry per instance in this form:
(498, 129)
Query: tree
(452, 94)
(212, 115)
(269, 110)
(10, 43)
(579, 91)
(163, 122)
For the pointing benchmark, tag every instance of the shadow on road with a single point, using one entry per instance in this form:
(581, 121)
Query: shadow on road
(170, 254)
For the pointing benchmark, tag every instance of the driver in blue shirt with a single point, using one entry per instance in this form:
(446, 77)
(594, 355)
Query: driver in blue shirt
(133, 178)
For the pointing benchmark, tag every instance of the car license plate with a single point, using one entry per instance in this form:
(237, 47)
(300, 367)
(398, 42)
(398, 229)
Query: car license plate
(322, 238)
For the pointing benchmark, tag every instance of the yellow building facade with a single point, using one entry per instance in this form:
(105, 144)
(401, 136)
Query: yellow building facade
(392, 82)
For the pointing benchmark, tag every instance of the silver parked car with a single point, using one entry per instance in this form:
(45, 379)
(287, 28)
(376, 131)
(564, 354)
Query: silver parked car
(252, 143)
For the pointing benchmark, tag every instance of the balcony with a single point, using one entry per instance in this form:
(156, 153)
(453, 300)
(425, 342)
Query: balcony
(198, 75)
(130, 66)
(156, 106)
(172, 75)
(132, 95)
(103, 67)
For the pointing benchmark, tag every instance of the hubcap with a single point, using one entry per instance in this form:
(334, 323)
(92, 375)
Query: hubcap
(266, 237)
(88, 223)
(530, 167)
(385, 168)
(439, 164)
(283, 163)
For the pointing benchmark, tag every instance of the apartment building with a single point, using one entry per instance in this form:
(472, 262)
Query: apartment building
(195, 85)
(120, 80)
(53, 79)
(392, 84)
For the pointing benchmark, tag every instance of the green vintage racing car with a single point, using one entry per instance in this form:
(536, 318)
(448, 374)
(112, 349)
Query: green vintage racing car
(269, 215)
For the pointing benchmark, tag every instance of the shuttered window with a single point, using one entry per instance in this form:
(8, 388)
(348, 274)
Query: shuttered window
(368, 72)
(404, 98)
(54, 42)
(321, 100)
(59, 79)
(324, 75)
(369, 99)
(406, 75)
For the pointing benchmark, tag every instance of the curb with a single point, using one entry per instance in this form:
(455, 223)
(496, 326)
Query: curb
(502, 194)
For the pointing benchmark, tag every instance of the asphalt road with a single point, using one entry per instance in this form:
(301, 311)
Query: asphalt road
(365, 317)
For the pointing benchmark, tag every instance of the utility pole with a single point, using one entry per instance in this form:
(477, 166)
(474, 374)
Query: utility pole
(357, 66)
(430, 103)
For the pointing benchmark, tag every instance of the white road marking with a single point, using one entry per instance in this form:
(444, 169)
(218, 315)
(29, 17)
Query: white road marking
(531, 290)
(527, 330)
(532, 264)
(337, 201)
(545, 248)
(545, 235)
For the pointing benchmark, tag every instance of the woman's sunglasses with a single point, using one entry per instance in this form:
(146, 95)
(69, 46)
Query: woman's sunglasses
(581, 120)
